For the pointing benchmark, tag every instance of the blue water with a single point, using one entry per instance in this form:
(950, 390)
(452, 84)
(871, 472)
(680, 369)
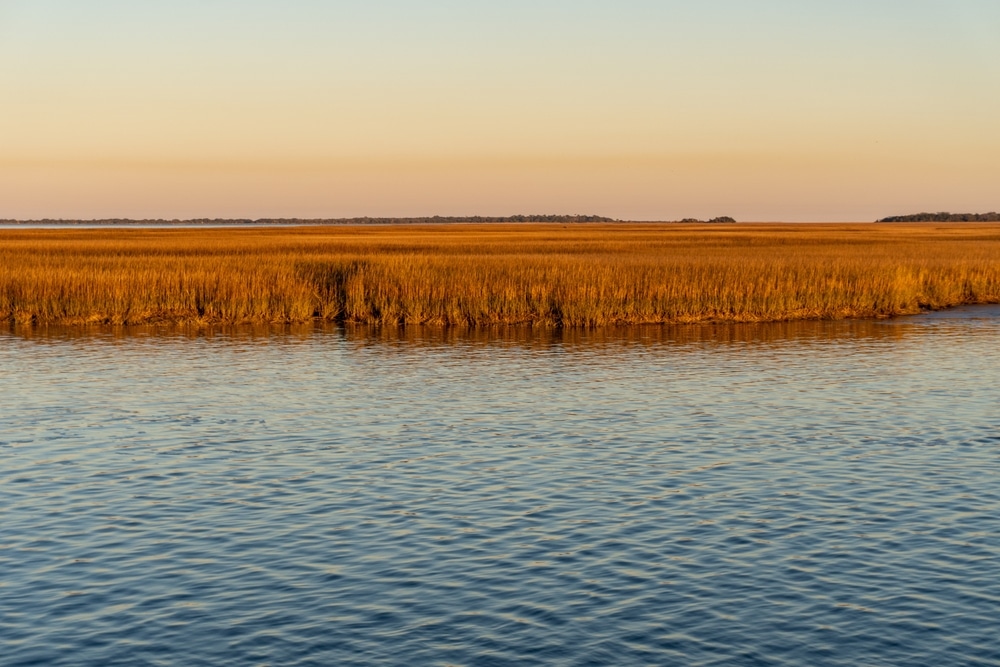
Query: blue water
(796, 494)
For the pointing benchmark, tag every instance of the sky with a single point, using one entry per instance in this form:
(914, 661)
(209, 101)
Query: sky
(763, 110)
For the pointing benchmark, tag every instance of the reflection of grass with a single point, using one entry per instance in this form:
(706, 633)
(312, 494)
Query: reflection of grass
(577, 275)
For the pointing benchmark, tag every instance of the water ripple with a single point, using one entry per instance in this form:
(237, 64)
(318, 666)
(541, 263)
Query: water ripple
(794, 494)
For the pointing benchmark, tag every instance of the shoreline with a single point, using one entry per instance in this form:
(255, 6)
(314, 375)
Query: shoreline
(959, 311)
(533, 337)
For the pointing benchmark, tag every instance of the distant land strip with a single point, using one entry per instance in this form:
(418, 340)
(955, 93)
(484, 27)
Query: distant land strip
(427, 220)
(436, 219)
(944, 217)
(547, 275)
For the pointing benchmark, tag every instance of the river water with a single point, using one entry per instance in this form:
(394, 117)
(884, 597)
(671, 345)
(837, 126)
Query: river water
(821, 493)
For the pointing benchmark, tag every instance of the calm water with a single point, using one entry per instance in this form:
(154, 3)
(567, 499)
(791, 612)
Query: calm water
(799, 494)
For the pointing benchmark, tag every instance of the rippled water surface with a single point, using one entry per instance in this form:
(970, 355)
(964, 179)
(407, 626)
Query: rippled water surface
(798, 494)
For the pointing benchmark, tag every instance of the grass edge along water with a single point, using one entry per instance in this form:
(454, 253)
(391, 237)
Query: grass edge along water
(483, 275)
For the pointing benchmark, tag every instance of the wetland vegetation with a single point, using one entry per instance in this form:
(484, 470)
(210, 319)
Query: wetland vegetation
(476, 275)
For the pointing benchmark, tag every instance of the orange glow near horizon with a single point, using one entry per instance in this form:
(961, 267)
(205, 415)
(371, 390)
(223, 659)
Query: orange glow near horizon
(651, 111)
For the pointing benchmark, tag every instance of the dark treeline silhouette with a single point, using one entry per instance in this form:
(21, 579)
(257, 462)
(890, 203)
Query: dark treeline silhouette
(944, 217)
(724, 218)
(319, 221)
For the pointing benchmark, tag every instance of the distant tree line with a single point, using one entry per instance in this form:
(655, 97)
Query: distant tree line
(437, 219)
(724, 218)
(944, 217)
(319, 221)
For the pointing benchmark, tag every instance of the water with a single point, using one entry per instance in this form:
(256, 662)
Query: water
(798, 494)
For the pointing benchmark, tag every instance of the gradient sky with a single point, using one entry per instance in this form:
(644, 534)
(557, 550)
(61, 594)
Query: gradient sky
(638, 109)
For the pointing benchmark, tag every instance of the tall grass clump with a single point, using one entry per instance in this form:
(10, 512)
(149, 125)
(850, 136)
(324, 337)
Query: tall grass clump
(547, 275)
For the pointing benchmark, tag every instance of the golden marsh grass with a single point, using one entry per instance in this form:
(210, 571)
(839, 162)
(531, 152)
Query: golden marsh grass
(540, 274)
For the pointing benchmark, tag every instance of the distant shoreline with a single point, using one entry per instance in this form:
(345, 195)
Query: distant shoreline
(455, 220)
(319, 222)
(944, 217)
(275, 222)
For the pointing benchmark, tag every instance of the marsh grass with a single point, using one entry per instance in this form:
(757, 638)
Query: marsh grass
(547, 275)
